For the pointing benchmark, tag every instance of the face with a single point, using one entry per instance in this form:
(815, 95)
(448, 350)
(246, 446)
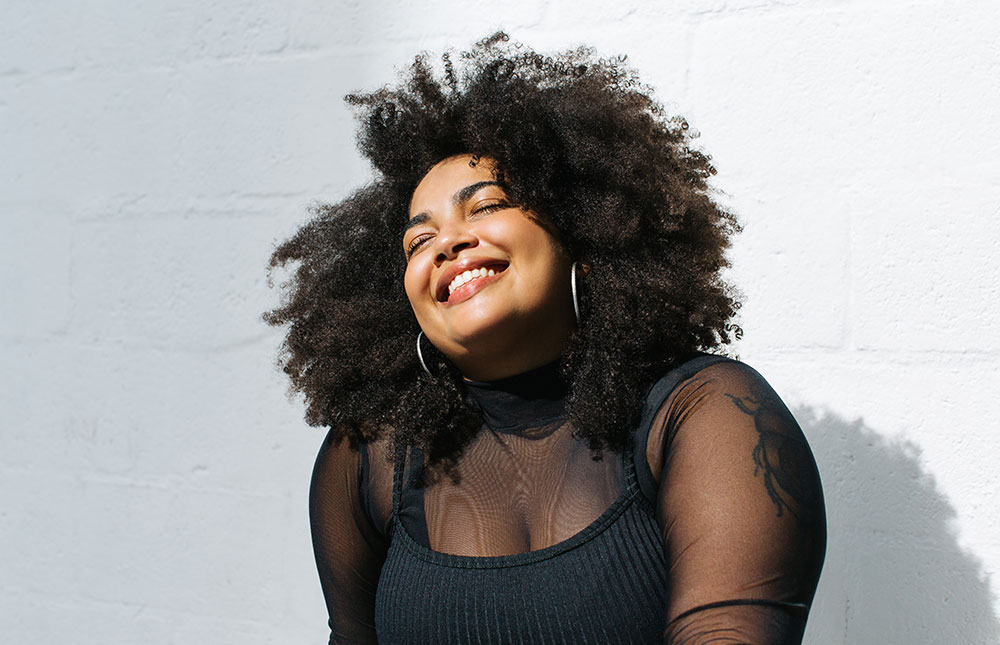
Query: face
(488, 284)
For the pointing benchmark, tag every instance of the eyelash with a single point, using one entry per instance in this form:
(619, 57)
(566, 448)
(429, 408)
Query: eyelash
(416, 242)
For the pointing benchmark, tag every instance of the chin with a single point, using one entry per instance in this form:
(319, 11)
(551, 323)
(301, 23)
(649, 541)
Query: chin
(475, 328)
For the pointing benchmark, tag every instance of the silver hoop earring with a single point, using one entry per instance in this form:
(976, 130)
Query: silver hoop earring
(420, 354)
(572, 284)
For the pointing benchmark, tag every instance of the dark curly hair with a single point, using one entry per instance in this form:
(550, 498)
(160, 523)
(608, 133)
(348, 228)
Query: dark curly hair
(578, 140)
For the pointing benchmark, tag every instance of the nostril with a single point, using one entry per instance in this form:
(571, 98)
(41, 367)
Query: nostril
(452, 252)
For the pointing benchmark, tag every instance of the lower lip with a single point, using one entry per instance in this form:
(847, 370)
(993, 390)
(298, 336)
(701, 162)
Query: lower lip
(470, 289)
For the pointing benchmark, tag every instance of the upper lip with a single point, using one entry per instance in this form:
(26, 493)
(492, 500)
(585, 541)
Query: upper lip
(461, 266)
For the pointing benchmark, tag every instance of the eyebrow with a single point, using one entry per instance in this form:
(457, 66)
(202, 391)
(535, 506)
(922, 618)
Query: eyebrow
(467, 192)
(458, 198)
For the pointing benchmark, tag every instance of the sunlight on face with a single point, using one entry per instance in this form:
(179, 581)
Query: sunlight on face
(488, 284)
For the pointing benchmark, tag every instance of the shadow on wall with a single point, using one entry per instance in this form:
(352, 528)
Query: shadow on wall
(894, 572)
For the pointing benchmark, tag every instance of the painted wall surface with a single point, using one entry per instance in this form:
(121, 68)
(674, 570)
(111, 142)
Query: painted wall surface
(153, 475)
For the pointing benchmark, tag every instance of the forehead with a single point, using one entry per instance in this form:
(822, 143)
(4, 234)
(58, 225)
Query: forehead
(449, 176)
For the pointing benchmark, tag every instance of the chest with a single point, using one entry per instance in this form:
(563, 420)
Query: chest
(509, 508)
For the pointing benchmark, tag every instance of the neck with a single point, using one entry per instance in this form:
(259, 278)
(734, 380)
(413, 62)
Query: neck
(492, 363)
(529, 400)
(505, 367)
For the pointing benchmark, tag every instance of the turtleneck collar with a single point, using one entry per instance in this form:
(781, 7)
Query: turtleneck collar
(523, 401)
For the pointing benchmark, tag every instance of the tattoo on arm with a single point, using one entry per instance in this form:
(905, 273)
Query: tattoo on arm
(781, 455)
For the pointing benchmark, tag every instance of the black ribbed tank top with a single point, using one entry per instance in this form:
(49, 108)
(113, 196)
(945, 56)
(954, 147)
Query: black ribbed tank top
(605, 584)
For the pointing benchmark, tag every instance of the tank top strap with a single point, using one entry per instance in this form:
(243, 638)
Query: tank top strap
(398, 466)
(408, 493)
(631, 477)
(657, 395)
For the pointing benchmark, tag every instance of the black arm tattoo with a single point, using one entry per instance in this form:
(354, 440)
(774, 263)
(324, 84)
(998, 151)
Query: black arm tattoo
(782, 455)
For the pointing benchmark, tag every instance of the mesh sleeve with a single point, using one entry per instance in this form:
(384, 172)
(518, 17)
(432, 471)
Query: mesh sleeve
(349, 547)
(741, 509)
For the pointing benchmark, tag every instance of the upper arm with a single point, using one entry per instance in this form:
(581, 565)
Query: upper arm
(740, 507)
(349, 546)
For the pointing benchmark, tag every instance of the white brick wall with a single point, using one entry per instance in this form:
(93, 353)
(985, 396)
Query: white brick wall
(153, 475)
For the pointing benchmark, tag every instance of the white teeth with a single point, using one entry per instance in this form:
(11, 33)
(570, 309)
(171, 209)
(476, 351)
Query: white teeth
(462, 278)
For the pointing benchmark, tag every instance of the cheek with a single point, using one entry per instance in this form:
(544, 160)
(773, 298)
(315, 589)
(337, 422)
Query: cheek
(409, 285)
(415, 284)
(543, 254)
(516, 231)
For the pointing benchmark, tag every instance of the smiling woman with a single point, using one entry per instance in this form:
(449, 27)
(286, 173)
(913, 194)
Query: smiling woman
(565, 455)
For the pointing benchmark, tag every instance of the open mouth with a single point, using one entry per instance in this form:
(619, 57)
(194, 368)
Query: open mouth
(470, 277)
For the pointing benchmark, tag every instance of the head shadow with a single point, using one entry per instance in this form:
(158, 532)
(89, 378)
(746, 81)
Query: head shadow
(895, 571)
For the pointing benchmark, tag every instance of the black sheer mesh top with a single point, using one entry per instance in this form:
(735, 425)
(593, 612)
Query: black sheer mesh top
(711, 529)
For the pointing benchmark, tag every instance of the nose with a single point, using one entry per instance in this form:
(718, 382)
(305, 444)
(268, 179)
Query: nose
(452, 240)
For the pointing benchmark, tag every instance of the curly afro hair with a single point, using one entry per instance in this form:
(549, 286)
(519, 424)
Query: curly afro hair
(575, 138)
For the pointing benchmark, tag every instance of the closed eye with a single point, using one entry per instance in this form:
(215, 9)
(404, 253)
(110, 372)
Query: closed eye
(489, 208)
(416, 243)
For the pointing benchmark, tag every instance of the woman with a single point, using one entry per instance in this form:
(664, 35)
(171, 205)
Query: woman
(505, 332)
